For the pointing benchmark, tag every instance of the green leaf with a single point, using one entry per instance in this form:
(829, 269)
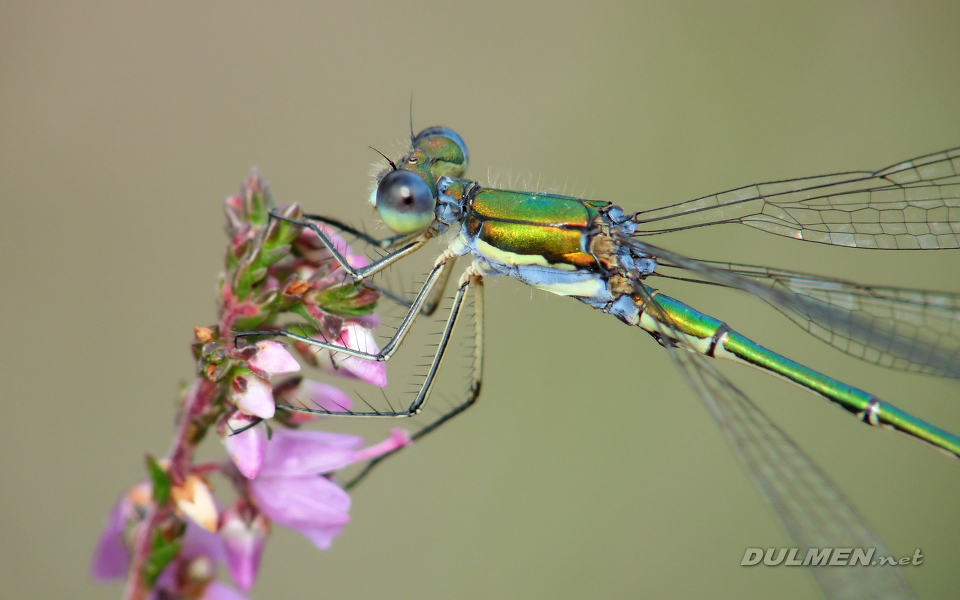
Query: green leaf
(349, 300)
(250, 323)
(257, 205)
(247, 278)
(162, 551)
(282, 232)
(270, 255)
(161, 481)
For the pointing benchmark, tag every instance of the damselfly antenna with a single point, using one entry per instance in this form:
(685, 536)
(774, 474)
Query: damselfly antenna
(412, 135)
(392, 165)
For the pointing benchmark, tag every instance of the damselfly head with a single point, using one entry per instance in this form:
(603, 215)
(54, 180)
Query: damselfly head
(406, 195)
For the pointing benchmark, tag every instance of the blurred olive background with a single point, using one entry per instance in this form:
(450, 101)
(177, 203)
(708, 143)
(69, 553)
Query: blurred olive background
(589, 469)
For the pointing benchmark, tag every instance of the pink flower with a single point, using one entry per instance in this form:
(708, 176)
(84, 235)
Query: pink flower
(190, 574)
(355, 336)
(244, 536)
(246, 448)
(292, 490)
(273, 359)
(111, 559)
(253, 395)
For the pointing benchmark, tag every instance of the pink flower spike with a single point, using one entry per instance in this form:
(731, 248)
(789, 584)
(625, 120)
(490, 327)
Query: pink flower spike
(398, 439)
(357, 337)
(253, 396)
(243, 542)
(247, 448)
(273, 359)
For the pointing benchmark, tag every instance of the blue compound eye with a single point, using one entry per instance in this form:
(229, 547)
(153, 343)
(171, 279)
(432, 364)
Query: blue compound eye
(405, 202)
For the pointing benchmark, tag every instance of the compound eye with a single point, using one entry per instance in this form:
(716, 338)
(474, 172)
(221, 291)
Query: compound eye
(405, 202)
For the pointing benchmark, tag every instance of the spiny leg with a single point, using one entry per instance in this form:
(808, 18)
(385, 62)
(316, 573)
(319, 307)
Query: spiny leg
(373, 268)
(382, 243)
(387, 243)
(417, 405)
(476, 378)
(437, 274)
(433, 300)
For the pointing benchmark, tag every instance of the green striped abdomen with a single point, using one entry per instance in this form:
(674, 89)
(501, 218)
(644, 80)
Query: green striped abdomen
(715, 339)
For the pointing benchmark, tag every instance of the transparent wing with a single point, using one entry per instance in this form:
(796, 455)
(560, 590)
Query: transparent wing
(811, 509)
(900, 345)
(908, 206)
(924, 318)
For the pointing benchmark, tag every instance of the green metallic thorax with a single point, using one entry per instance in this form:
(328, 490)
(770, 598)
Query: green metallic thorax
(555, 228)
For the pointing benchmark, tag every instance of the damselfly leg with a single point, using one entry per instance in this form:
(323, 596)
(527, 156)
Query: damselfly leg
(425, 303)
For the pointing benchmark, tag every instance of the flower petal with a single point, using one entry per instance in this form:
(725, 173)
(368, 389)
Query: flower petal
(198, 541)
(321, 537)
(301, 502)
(247, 448)
(253, 395)
(219, 591)
(273, 359)
(302, 453)
(398, 439)
(371, 321)
(357, 337)
(325, 396)
(111, 559)
(243, 543)
(371, 371)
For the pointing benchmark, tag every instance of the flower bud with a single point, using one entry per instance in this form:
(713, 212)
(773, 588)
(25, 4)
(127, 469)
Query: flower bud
(273, 359)
(356, 337)
(252, 395)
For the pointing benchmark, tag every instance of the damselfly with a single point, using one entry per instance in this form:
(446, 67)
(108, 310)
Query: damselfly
(601, 255)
